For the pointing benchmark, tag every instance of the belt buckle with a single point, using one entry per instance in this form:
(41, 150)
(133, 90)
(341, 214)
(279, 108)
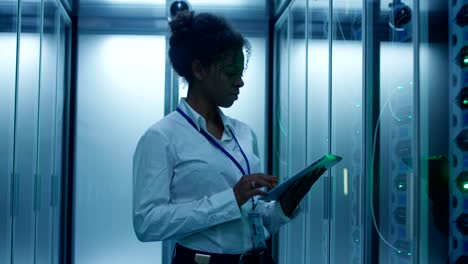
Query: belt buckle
(202, 258)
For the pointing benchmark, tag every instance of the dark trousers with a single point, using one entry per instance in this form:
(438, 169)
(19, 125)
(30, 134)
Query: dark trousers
(183, 255)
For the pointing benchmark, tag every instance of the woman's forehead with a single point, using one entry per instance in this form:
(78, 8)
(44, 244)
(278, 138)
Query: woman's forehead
(232, 57)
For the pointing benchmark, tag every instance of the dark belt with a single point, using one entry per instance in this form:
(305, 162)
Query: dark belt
(183, 255)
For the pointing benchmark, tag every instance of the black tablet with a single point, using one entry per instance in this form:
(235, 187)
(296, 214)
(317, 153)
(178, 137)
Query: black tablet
(327, 161)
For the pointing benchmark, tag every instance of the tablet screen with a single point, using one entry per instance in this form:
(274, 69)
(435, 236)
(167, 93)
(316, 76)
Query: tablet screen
(326, 161)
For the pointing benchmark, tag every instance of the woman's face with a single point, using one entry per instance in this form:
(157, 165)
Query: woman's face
(225, 78)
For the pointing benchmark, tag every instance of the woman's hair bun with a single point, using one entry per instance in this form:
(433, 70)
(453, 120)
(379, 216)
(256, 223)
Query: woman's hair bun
(182, 23)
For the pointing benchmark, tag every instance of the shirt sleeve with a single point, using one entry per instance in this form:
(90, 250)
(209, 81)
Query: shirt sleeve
(272, 214)
(155, 216)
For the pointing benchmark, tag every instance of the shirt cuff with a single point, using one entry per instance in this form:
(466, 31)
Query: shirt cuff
(283, 216)
(227, 201)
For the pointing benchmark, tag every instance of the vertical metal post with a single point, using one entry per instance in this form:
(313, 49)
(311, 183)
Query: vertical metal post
(415, 205)
(371, 94)
(328, 180)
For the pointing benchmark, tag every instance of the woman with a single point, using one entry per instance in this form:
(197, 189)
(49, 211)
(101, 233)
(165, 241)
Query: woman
(197, 171)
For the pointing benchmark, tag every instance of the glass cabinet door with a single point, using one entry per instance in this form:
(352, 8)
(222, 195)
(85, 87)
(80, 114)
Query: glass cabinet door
(46, 132)
(281, 117)
(116, 104)
(297, 140)
(317, 128)
(394, 151)
(60, 130)
(8, 11)
(26, 133)
(346, 132)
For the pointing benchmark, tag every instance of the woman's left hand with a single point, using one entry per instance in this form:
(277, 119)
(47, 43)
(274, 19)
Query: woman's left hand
(293, 196)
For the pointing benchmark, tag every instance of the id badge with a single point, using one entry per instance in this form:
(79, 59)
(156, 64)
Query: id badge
(256, 225)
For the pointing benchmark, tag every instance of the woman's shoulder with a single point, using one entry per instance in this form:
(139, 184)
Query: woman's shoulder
(239, 125)
(164, 127)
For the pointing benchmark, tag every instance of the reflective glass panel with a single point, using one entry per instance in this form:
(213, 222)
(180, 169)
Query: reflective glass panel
(281, 117)
(297, 141)
(394, 150)
(346, 132)
(120, 95)
(317, 127)
(46, 133)
(58, 176)
(8, 11)
(26, 133)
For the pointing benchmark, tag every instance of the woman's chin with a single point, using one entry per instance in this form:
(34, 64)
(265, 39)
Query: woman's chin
(227, 103)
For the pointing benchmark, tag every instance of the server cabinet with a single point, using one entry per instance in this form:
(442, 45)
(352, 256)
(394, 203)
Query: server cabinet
(458, 181)
(32, 114)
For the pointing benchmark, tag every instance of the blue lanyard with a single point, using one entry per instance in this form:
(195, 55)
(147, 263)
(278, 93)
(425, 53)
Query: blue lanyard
(212, 141)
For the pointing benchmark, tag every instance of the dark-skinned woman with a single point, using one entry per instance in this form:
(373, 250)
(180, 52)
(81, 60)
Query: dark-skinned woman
(197, 173)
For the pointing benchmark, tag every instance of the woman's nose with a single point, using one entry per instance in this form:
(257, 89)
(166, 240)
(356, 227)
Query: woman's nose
(239, 82)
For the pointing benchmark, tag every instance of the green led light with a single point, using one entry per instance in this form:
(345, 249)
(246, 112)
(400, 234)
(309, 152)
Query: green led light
(400, 186)
(410, 117)
(331, 156)
(409, 253)
(399, 251)
(465, 186)
(435, 157)
(465, 101)
(465, 60)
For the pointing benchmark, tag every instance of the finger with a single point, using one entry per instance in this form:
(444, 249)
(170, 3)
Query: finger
(258, 192)
(260, 182)
(268, 178)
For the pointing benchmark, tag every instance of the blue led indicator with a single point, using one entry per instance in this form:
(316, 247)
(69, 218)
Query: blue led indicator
(403, 166)
(402, 199)
(465, 77)
(401, 233)
(465, 161)
(465, 119)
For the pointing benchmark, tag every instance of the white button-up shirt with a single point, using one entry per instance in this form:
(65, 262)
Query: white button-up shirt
(183, 185)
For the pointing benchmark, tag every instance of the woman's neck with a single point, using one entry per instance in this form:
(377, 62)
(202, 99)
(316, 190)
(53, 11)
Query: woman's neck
(207, 110)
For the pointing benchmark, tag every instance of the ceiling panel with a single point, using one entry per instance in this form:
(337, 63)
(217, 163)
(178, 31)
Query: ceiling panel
(194, 3)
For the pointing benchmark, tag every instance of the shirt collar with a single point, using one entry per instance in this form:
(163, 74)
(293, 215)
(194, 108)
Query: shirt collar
(199, 121)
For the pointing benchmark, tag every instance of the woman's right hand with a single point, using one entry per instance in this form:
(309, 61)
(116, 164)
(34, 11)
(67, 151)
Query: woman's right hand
(249, 186)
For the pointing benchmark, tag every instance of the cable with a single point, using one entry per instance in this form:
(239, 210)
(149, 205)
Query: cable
(398, 250)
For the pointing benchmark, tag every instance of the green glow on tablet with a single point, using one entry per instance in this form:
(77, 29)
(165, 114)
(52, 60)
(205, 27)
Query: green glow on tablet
(331, 156)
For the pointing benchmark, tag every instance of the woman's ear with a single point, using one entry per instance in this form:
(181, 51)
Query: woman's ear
(198, 70)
